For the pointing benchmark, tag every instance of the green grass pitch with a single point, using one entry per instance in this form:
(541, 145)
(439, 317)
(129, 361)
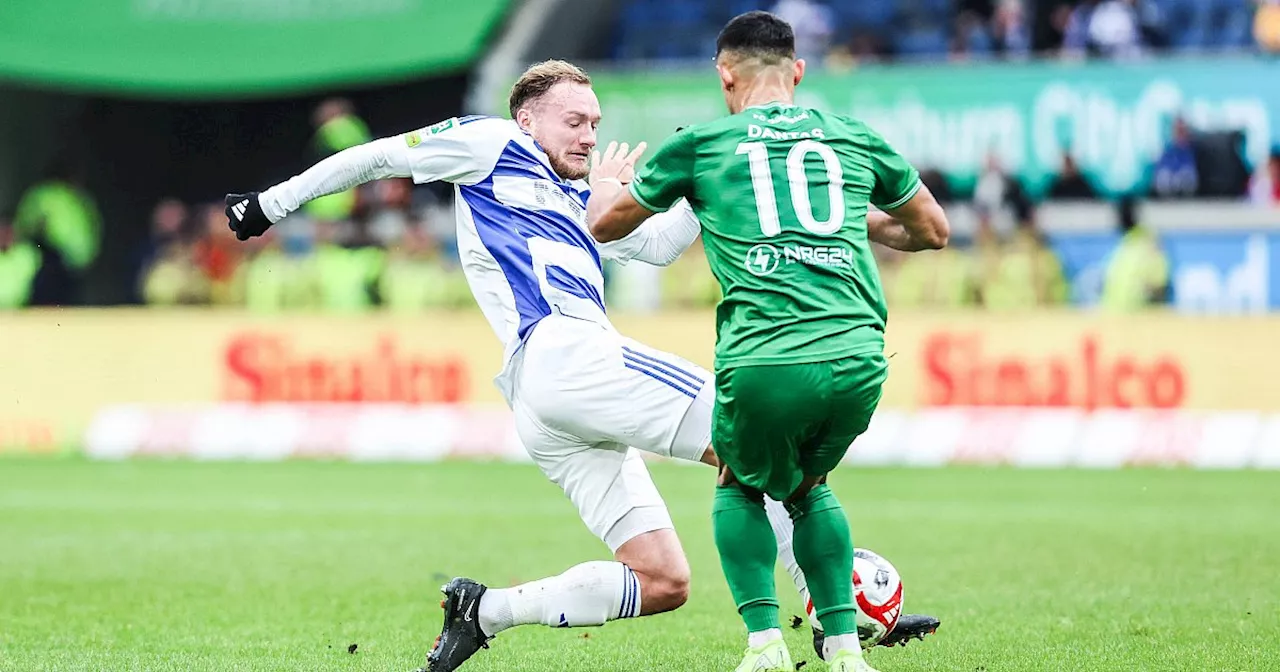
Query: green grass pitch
(189, 566)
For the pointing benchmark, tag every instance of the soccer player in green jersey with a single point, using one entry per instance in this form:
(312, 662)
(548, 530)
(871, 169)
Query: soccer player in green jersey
(783, 194)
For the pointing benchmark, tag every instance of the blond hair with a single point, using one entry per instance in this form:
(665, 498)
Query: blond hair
(539, 79)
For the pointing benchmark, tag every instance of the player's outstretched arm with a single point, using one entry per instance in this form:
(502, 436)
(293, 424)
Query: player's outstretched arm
(621, 218)
(251, 214)
(660, 240)
(919, 224)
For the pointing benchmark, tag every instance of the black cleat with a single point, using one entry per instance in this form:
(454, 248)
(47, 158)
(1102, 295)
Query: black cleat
(461, 636)
(908, 627)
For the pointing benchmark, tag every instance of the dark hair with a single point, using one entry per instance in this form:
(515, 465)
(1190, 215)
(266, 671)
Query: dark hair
(758, 34)
(539, 79)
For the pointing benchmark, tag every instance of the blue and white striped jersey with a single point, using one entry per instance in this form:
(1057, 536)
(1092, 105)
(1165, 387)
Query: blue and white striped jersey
(522, 233)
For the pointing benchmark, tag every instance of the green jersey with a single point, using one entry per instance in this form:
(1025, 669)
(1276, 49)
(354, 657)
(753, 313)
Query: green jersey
(782, 192)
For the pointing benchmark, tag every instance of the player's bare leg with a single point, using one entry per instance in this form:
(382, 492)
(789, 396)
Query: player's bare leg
(604, 477)
(650, 575)
(658, 560)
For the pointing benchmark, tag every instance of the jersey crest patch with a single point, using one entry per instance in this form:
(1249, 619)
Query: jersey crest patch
(442, 126)
(413, 139)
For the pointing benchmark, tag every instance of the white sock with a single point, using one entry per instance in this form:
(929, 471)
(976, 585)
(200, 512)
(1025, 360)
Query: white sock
(763, 637)
(494, 611)
(584, 595)
(783, 531)
(837, 643)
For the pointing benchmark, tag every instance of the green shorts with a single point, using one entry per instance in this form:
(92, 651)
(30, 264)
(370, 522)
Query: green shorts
(774, 425)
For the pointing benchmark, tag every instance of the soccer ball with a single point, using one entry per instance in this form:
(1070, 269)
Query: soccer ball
(877, 590)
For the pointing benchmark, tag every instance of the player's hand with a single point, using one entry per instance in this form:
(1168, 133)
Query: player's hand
(616, 163)
(245, 216)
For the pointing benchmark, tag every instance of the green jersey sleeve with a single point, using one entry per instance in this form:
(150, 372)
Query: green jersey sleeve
(668, 176)
(896, 179)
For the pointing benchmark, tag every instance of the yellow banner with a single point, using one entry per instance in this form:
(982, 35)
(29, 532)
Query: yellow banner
(57, 368)
(1051, 359)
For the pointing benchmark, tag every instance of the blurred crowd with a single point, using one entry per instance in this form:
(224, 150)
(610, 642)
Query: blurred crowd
(1019, 269)
(384, 254)
(391, 245)
(1193, 164)
(384, 244)
(840, 33)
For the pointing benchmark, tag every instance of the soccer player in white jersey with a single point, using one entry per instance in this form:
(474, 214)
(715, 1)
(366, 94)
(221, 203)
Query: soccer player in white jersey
(584, 397)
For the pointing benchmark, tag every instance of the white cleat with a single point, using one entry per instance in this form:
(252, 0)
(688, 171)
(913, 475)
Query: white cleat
(770, 657)
(850, 661)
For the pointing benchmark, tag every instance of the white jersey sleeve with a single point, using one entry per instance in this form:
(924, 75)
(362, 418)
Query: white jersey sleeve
(375, 160)
(660, 240)
(462, 150)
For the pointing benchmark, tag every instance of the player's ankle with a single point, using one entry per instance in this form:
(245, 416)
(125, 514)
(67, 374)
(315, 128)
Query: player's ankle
(836, 644)
(494, 612)
(762, 637)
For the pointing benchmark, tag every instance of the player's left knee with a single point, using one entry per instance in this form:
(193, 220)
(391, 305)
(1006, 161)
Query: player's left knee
(658, 560)
(665, 587)
(671, 587)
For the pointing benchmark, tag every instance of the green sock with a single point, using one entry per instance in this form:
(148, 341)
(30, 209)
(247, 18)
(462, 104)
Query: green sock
(824, 550)
(748, 552)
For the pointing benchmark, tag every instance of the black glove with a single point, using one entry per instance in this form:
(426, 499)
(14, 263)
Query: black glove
(245, 216)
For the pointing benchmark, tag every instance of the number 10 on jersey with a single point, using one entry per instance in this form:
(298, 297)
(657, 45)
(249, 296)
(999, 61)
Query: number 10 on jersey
(798, 179)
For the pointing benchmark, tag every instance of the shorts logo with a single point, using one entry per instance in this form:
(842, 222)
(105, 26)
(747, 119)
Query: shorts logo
(763, 259)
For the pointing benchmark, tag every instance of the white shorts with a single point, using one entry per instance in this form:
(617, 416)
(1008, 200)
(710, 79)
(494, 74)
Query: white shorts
(586, 398)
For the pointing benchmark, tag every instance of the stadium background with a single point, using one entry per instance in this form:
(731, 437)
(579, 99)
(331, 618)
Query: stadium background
(1111, 169)
(1048, 129)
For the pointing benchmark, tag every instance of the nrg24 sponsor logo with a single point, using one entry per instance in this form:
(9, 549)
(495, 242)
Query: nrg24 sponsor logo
(763, 259)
